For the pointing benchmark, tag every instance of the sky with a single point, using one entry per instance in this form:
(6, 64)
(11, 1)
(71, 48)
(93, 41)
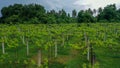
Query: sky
(68, 5)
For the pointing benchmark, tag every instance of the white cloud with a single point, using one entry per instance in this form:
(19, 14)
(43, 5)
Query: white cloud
(95, 4)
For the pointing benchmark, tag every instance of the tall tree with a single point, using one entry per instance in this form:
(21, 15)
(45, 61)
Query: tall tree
(109, 13)
(74, 13)
(95, 12)
(80, 16)
(100, 10)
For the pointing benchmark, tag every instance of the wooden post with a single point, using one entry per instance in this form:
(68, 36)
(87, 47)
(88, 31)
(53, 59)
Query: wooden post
(63, 40)
(3, 48)
(27, 47)
(39, 58)
(67, 37)
(86, 44)
(55, 48)
(92, 56)
(3, 45)
(88, 50)
(105, 37)
(94, 59)
(23, 39)
(91, 53)
(115, 30)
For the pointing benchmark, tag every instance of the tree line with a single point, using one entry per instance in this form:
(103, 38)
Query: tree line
(35, 14)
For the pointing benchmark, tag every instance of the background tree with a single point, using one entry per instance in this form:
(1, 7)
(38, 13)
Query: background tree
(35, 13)
(109, 13)
(80, 16)
(85, 16)
(74, 13)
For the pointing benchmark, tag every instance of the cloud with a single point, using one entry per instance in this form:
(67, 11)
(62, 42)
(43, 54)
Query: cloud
(69, 5)
(95, 4)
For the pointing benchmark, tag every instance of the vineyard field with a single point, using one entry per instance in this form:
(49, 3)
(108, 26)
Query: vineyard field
(85, 45)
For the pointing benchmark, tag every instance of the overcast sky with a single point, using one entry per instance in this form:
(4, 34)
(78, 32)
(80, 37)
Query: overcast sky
(68, 5)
